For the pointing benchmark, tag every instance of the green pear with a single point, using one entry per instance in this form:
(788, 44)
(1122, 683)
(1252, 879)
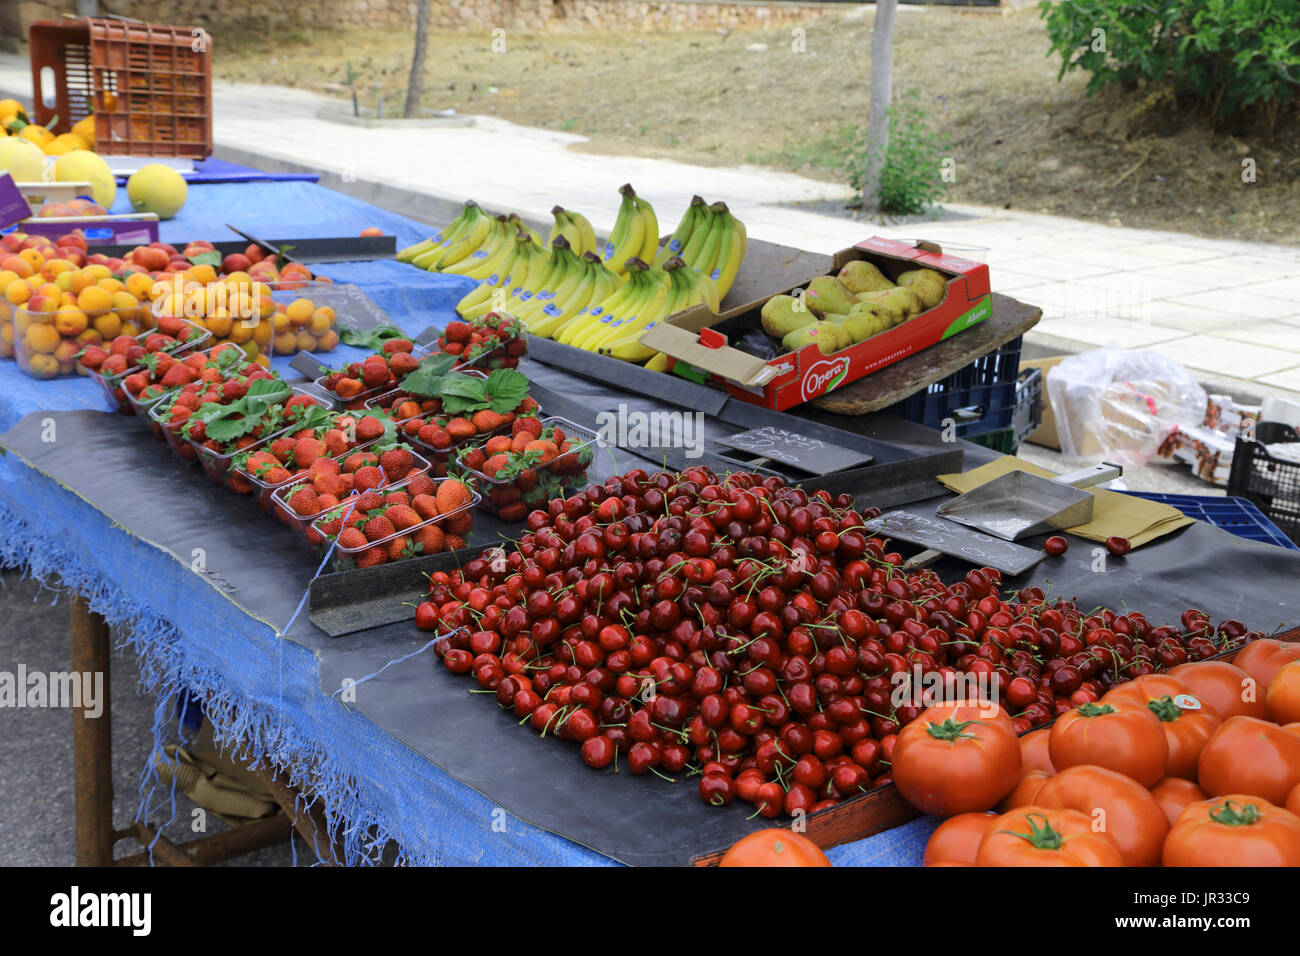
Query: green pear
(825, 335)
(862, 276)
(929, 285)
(901, 300)
(783, 314)
(828, 294)
(864, 323)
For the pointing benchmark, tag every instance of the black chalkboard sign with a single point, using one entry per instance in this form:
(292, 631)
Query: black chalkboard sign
(956, 541)
(428, 336)
(308, 365)
(787, 447)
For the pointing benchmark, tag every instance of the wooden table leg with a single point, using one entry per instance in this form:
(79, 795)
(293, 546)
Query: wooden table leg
(92, 740)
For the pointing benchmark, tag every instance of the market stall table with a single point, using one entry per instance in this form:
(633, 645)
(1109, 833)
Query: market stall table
(229, 629)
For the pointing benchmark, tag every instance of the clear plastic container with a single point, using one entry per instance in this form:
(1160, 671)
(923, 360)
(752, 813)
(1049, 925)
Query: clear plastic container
(112, 384)
(265, 490)
(302, 523)
(498, 494)
(45, 343)
(343, 558)
(359, 400)
(155, 412)
(219, 465)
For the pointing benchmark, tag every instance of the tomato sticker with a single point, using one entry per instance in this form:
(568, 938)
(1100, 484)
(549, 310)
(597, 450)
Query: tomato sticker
(1187, 702)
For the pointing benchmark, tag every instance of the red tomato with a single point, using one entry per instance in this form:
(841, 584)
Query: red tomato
(1224, 686)
(1174, 794)
(1236, 829)
(957, 758)
(957, 839)
(1116, 804)
(1121, 735)
(774, 847)
(1252, 756)
(1033, 751)
(1188, 722)
(1283, 697)
(1262, 659)
(1026, 792)
(1043, 836)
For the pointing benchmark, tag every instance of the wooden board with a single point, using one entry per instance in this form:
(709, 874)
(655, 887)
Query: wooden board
(893, 383)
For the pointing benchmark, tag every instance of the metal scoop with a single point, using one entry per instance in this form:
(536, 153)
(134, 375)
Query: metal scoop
(1017, 504)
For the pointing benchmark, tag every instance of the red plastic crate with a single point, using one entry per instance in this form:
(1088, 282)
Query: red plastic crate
(149, 86)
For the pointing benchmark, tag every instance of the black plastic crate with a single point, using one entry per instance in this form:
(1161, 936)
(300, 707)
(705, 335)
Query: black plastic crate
(1271, 484)
(979, 398)
(1028, 414)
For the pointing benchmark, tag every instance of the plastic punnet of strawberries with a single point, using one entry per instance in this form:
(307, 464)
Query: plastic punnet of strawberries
(382, 525)
(536, 463)
(750, 633)
(376, 373)
(491, 341)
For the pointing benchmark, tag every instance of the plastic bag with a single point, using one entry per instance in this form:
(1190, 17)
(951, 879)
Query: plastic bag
(1120, 404)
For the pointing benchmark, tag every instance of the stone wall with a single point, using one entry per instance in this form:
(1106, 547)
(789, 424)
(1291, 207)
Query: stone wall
(529, 15)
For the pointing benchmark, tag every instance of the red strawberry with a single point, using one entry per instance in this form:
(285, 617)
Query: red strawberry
(487, 420)
(351, 539)
(494, 464)
(458, 332)
(396, 498)
(451, 494)
(307, 450)
(474, 458)
(426, 506)
(367, 478)
(430, 539)
(304, 502)
(460, 429)
(402, 517)
(396, 462)
(512, 513)
(377, 528)
(282, 448)
(369, 501)
(358, 460)
(527, 423)
(369, 428)
(372, 557)
(421, 485)
(403, 363)
(400, 547)
(336, 443)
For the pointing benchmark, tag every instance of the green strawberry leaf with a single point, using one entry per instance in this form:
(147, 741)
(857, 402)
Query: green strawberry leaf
(508, 388)
(426, 380)
(372, 339)
(212, 258)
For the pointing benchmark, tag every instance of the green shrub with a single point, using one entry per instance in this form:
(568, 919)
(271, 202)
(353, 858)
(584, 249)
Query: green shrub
(1222, 56)
(912, 175)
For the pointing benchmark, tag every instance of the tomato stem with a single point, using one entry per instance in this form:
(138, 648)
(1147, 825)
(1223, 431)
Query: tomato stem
(1165, 709)
(951, 730)
(1233, 814)
(1041, 838)
(1089, 709)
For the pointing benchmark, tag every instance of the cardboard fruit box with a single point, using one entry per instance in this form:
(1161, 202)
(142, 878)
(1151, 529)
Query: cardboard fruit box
(701, 353)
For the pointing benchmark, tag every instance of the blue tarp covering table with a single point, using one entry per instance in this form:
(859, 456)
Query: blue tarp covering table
(257, 686)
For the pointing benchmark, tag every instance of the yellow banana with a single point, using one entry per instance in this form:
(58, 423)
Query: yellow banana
(447, 234)
(558, 313)
(650, 285)
(650, 223)
(499, 263)
(410, 252)
(527, 275)
(600, 311)
(521, 253)
(730, 255)
(629, 232)
(642, 311)
(622, 342)
(465, 244)
(566, 277)
(586, 235)
(699, 235)
(564, 226)
(677, 241)
(709, 251)
(499, 236)
(658, 362)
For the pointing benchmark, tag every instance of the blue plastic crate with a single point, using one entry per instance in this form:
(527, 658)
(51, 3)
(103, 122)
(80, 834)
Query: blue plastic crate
(979, 398)
(1235, 515)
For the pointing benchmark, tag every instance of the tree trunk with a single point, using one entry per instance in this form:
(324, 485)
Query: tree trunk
(882, 70)
(415, 86)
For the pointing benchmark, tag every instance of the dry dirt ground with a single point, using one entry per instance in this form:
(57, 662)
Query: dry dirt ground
(1020, 138)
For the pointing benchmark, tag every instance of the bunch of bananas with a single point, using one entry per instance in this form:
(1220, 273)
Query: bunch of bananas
(615, 325)
(636, 232)
(571, 284)
(710, 240)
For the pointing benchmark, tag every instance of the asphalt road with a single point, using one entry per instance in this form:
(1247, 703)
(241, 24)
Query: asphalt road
(36, 758)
